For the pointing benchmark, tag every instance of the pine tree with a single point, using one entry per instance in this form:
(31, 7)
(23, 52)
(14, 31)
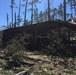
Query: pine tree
(36, 15)
(64, 10)
(19, 13)
(7, 19)
(48, 10)
(25, 12)
(60, 11)
(12, 5)
(41, 16)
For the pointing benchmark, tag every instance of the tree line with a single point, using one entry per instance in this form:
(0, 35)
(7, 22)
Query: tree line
(59, 12)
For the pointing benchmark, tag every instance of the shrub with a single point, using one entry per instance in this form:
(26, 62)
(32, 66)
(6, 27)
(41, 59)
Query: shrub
(10, 72)
(1, 38)
(14, 54)
(56, 45)
(24, 39)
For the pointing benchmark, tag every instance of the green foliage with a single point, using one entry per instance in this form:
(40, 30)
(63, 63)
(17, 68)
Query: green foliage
(24, 39)
(60, 12)
(10, 72)
(14, 54)
(16, 50)
(57, 38)
(36, 20)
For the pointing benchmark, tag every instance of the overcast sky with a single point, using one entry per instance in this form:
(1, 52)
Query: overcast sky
(5, 8)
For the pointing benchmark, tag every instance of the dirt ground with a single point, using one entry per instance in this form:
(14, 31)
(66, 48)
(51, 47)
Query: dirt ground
(38, 64)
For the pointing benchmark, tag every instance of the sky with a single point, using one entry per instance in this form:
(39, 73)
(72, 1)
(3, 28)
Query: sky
(5, 8)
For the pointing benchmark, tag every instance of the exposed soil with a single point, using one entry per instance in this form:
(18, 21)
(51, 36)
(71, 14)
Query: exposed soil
(38, 64)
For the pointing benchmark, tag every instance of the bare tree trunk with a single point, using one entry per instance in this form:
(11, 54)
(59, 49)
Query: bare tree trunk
(48, 10)
(32, 13)
(71, 11)
(15, 20)
(19, 13)
(25, 12)
(12, 11)
(7, 19)
(75, 6)
(64, 10)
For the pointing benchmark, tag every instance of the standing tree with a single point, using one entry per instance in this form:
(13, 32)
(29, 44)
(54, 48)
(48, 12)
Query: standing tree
(36, 16)
(32, 12)
(19, 13)
(60, 12)
(15, 20)
(74, 5)
(7, 19)
(12, 5)
(64, 10)
(48, 10)
(70, 3)
(32, 3)
(45, 15)
(25, 12)
(54, 13)
(41, 16)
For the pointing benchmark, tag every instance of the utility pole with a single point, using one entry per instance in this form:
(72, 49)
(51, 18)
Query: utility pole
(64, 10)
(25, 12)
(48, 10)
